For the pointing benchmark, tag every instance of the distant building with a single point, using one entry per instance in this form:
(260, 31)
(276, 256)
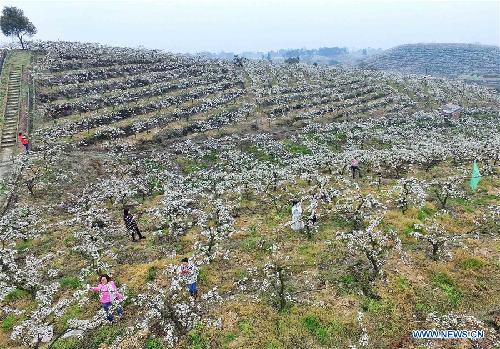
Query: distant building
(452, 110)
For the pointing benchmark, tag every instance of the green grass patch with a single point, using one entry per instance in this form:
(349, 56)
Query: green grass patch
(203, 276)
(402, 283)
(72, 313)
(471, 263)
(314, 326)
(23, 245)
(447, 285)
(15, 295)
(297, 148)
(8, 322)
(103, 335)
(70, 282)
(68, 343)
(154, 343)
(152, 273)
(325, 333)
(260, 154)
(425, 212)
(197, 339)
(245, 327)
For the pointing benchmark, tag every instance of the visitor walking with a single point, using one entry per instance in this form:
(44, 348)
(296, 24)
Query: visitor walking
(189, 272)
(297, 223)
(131, 225)
(355, 168)
(24, 142)
(108, 295)
(313, 207)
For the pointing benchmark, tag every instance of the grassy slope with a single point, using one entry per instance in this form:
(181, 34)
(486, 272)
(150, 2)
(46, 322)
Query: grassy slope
(467, 282)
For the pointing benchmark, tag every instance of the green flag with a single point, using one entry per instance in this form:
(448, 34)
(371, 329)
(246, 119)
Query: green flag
(475, 178)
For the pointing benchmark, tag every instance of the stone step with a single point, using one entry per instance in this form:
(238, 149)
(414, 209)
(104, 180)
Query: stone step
(8, 136)
(8, 143)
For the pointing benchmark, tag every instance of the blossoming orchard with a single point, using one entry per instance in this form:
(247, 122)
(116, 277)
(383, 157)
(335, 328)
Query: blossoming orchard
(246, 169)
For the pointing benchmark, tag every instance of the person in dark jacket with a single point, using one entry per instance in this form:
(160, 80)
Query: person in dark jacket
(355, 168)
(131, 225)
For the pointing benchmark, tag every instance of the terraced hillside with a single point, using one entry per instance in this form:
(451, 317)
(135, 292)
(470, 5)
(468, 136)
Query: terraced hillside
(476, 63)
(210, 157)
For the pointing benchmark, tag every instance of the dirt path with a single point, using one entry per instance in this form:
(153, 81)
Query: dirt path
(6, 162)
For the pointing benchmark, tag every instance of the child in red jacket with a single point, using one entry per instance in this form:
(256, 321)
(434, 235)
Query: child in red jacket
(24, 142)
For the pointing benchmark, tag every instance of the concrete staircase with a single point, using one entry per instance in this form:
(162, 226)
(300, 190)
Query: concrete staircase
(8, 132)
(11, 117)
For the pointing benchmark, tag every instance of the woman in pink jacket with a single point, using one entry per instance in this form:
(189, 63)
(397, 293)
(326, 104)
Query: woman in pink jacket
(108, 294)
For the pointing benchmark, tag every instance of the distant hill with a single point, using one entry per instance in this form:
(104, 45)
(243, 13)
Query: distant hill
(321, 56)
(479, 63)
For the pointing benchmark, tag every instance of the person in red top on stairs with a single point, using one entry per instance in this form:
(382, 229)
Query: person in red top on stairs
(24, 142)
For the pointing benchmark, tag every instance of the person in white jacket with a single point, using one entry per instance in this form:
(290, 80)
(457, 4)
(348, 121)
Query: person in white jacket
(297, 223)
(189, 272)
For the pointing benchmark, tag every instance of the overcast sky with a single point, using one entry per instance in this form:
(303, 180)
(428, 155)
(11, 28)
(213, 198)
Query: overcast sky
(262, 25)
